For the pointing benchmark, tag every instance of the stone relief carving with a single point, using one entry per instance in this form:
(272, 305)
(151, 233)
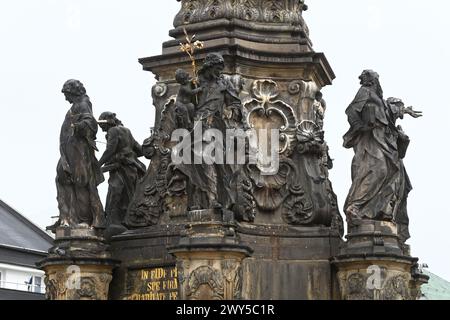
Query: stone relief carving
(87, 290)
(298, 207)
(89, 286)
(147, 205)
(232, 273)
(245, 207)
(159, 90)
(397, 288)
(268, 11)
(392, 286)
(300, 193)
(51, 289)
(205, 282)
(357, 288)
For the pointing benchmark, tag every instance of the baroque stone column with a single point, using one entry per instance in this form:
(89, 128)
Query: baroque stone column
(78, 267)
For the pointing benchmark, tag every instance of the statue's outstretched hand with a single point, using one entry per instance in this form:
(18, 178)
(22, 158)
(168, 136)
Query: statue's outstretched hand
(412, 113)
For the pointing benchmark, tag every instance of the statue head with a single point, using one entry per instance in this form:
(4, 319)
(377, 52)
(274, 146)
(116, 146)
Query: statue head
(73, 89)
(213, 66)
(108, 120)
(370, 78)
(182, 76)
(319, 96)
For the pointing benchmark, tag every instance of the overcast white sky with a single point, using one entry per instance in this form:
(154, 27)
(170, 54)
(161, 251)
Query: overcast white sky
(45, 42)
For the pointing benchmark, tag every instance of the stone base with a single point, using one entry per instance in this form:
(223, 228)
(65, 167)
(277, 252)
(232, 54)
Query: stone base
(376, 278)
(82, 242)
(206, 274)
(209, 257)
(77, 280)
(79, 266)
(374, 237)
(375, 265)
(287, 263)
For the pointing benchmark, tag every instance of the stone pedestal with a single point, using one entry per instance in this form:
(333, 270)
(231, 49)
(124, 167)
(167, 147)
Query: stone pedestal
(375, 265)
(78, 267)
(209, 257)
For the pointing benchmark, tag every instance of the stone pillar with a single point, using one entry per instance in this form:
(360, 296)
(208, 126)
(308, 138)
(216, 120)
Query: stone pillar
(78, 267)
(209, 257)
(375, 265)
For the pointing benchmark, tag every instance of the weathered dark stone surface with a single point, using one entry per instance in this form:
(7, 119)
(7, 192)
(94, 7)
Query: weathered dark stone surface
(375, 263)
(120, 159)
(78, 172)
(380, 183)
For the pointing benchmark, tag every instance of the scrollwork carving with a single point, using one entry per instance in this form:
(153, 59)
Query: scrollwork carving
(160, 89)
(357, 287)
(298, 207)
(396, 288)
(205, 282)
(245, 207)
(269, 11)
(296, 87)
(87, 290)
(232, 273)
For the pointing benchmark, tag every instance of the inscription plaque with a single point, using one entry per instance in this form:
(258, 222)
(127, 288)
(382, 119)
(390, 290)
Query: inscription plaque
(153, 284)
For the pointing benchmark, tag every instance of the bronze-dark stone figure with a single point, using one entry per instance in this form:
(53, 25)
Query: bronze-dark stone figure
(209, 184)
(121, 161)
(380, 183)
(78, 171)
(187, 95)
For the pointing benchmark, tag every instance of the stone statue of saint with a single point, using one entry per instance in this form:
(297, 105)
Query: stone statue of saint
(78, 171)
(209, 184)
(380, 183)
(121, 161)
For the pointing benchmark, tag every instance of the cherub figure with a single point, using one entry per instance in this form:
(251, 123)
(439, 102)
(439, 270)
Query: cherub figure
(320, 107)
(184, 107)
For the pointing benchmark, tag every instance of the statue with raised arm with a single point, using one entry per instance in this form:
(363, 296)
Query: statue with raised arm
(121, 161)
(380, 183)
(78, 171)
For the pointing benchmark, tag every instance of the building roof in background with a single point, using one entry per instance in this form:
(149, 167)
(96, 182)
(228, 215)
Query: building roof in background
(16, 231)
(437, 288)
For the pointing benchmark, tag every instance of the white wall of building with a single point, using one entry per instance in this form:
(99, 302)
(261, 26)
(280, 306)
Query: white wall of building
(21, 278)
